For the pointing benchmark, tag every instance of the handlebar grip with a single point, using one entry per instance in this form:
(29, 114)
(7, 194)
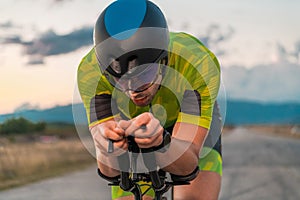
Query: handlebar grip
(150, 162)
(125, 182)
(110, 148)
(124, 165)
(156, 181)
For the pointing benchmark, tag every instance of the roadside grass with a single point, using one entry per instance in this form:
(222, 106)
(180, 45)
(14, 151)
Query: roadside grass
(276, 130)
(25, 159)
(227, 129)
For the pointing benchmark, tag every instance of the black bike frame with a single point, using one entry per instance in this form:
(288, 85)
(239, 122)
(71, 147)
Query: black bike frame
(129, 178)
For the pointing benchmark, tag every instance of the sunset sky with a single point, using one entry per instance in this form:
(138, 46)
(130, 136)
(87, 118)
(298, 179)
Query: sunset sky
(42, 43)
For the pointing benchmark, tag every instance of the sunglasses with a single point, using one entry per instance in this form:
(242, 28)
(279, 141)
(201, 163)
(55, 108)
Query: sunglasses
(139, 78)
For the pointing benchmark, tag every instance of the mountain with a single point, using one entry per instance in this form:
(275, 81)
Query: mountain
(237, 113)
(247, 113)
(63, 114)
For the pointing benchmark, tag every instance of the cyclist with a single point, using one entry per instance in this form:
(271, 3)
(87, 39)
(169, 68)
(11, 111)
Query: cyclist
(140, 74)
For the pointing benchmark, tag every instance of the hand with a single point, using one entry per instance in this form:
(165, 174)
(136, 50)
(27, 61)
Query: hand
(106, 131)
(145, 128)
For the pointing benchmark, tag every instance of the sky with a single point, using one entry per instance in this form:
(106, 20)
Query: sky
(42, 42)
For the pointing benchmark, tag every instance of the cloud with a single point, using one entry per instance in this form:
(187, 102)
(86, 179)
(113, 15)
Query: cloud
(26, 106)
(297, 46)
(281, 53)
(50, 43)
(296, 52)
(36, 60)
(6, 25)
(214, 35)
(6, 33)
(59, 2)
(266, 83)
(211, 36)
(12, 40)
(284, 55)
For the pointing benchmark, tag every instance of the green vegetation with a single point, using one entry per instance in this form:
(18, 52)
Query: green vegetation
(61, 130)
(20, 126)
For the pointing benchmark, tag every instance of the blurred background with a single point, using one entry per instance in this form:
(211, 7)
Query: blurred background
(42, 42)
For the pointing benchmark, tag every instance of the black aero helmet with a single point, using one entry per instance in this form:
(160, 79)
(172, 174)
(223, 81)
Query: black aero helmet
(130, 33)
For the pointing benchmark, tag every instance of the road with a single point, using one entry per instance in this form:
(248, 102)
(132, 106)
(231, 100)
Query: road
(256, 166)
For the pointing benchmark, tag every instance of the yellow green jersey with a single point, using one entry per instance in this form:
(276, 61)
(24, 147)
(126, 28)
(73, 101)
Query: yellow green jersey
(187, 93)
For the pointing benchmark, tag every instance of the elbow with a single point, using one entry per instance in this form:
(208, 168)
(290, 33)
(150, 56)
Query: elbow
(186, 171)
(192, 161)
(181, 165)
(187, 166)
(186, 177)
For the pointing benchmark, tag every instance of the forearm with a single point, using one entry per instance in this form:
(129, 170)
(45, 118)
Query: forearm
(108, 165)
(108, 162)
(183, 154)
(181, 158)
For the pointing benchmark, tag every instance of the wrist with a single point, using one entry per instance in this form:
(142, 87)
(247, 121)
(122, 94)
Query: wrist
(163, 147)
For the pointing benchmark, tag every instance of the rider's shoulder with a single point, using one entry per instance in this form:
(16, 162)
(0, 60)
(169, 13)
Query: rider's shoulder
(88, 63)
(184, 39)
(89, 57)
(181, 41)
(188, 46)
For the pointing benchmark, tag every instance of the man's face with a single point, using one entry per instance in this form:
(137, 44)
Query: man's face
(145, 97)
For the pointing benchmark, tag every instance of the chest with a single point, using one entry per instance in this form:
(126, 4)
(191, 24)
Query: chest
(165, 106)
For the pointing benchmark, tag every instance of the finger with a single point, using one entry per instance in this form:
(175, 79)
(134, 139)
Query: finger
(138, 122)
(119, 144)
(131, 129)
(110, 130)
(120, 147)
(116, 146)
(119, 130)
(145, 132)
(150, 129)
(112, 135)
(124, 124)
(149, 142)
(112, 125)
(154, 140)
(143, 119)
(122, 144)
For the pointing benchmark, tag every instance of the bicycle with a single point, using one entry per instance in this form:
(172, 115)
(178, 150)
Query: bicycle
(156, 178)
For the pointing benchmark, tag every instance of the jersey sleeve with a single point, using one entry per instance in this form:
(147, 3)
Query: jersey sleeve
(199, 98)
(95, 90)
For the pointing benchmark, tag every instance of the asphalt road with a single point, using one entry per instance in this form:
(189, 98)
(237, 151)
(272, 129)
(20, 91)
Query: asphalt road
(256, 166)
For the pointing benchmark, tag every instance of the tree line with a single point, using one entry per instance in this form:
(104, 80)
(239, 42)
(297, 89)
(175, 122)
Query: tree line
(20, 126)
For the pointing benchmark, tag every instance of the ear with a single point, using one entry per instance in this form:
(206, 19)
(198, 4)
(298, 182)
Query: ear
(164, 61)
(132, 63)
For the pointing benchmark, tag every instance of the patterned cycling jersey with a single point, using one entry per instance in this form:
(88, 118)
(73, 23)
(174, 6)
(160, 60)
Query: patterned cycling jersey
(187, 93)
